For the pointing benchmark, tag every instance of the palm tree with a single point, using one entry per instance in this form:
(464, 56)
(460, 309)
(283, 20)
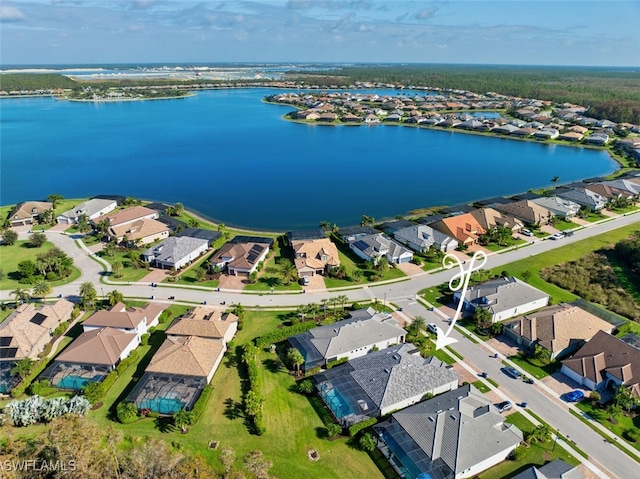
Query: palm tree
(288, 271)
(117, 269)
(253, 403)
(295, 358)
(382, 264)
(342, 299)
(182, 419)
(418, 325)
(83, 223)
(178, 209)
(115, 297)
(23, 367)
(88, 293)
(555, 180)
(313, 310)
(221, 227)
(323, 304)
(325, 225)
(21, 295)
(55, 199)
(103, 227)
(302, 311)
(41, 288)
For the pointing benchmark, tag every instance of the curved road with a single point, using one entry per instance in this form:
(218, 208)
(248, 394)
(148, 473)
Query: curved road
(606, 456)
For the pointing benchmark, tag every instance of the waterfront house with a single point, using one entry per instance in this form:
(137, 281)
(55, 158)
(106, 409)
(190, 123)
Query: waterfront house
(421, 238)
(503, 297)
(91, 209)
(242, 255)
(364, 331)
(381, 382)
(605, 362)
(527, 211)
(175, 252)
(465, 228)
(373, 247)
(599, 138)
(126, 216)
(490, 219)
(315, 256)
(28, 213)
(611, 193)
(584, 197)
(561, 329)
(353, 233)
(561, 207)
(455, 435)
(140, 232)
(26, 331)
(572, 136)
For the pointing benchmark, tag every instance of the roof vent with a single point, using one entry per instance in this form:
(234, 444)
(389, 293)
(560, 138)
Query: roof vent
(431, 419)
(452, 417)
(386, 370)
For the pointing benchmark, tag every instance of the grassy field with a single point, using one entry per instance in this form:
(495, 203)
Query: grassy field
(535, 454)
(11, 256)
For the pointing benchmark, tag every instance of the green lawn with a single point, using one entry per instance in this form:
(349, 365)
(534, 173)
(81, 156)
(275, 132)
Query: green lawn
(535, 455)
(532, 265)
(593, 217)
(480, 386)
(11, 256)
(189, 276)
(129, 273)
(564, 225)
(623, 422)
(499, 247)
(352, 262)
(534, 368)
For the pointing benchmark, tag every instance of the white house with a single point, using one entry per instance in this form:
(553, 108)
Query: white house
(504, 298)
(422, 237)
(175, 252)
(374, 247)
(91, 209)
(128, 320)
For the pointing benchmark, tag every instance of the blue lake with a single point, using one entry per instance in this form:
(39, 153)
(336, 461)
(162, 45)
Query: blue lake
(230, 157)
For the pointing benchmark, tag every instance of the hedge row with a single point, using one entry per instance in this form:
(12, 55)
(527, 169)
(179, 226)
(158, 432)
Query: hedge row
(356, 428)
(332, 364)
(282, 334)
(248, 357)
(200, 404)
(38, 367)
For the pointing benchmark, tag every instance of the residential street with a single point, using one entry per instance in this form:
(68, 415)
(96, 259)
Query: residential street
(403, 293)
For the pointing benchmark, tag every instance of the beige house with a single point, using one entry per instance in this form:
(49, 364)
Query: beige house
(26, 332)
(126, 216)
(144, 231)
(129, 320)
(527, 211)
(242, 257)
(206, 323)
(315, 256)
(561, 328)
(27, 213)
(99, 347)
(490, 218)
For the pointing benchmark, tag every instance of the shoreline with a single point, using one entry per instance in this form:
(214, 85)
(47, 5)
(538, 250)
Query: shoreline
(122, 100)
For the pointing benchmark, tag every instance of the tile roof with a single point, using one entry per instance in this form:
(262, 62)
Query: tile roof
(30, 326)
(187, 356)
(127, 215)
(28, 209)
(465, 227)
(203, 322)
(310, 253)
(99, 346)
(527, 211)
(490, 218)
(139, 229)
(241, 255)
(118, 316)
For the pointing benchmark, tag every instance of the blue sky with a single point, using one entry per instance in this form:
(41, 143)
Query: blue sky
(598, 33)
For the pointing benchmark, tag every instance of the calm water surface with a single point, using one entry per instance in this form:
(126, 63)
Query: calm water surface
(232, 158)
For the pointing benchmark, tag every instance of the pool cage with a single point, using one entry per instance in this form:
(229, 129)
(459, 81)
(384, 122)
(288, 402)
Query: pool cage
(7, 380)
(344, 397)
(166, 393)
(407, 458)
(74, 376)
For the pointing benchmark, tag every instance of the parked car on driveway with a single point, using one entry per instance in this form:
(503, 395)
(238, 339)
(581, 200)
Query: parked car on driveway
(512, 372)
(504, 406)
(573, 396)
(432, 328)
(527, 232)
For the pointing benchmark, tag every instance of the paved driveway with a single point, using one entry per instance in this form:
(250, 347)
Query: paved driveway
(410, 269)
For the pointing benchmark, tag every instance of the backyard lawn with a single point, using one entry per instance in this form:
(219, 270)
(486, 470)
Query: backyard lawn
(11, 256)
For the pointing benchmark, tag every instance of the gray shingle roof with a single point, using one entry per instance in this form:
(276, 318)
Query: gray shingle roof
(175, 248)
(458, 427)
(422, 235)
(501, 294)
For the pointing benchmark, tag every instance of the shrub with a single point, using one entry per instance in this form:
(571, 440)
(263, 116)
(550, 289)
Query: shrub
(518, 453)
(337, 362)
(595, 397)
(305, 387)
(333, 429)
(127, 412)
(93, 392)
(41, 388)
(36, 369)
(356, 428)
(200, 404)
(144, 339)
(282, 334)
(632, 435)
(125, 363)
(366, 442)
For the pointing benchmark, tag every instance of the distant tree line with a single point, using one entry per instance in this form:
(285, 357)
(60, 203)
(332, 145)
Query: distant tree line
(35, 81)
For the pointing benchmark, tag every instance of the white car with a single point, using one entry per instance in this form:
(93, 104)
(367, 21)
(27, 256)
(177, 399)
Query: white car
(527, 232)
(556, 236)
(432, 328)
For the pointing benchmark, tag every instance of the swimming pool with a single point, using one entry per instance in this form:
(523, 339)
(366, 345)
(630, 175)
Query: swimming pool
(77, 382)
(336, 402)
(162, 405)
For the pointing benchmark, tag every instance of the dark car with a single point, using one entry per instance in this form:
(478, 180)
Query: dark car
(512, 372)
(573, 396)
(504, 406)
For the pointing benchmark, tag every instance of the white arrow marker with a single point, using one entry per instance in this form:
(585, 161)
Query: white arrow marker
(459, 282)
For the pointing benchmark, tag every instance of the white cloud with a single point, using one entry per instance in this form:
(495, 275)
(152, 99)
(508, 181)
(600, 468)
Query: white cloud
(426, 13)
(10, 14)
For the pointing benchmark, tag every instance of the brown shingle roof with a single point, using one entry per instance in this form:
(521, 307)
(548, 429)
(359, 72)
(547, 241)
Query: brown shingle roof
(121, 317)
(607, 354)
(26, 210)
(119, 217)
(139, 229)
